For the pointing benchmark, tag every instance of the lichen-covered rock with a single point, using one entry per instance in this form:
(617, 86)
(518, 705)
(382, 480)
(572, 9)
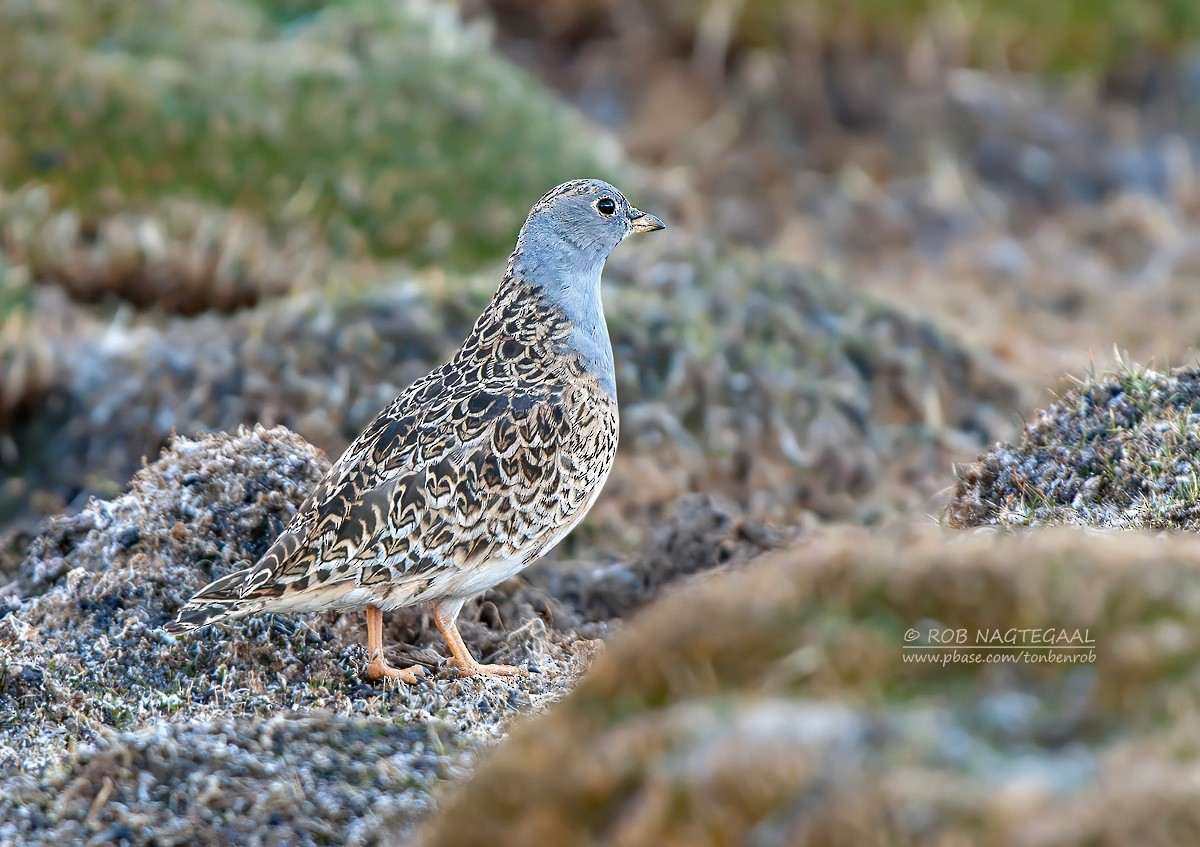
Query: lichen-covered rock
(778, 705)
(1119, 450)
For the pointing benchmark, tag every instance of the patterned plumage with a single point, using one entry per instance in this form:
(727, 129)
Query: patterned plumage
(477, 468)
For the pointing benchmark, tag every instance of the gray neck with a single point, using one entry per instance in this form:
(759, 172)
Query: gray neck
(568, 278)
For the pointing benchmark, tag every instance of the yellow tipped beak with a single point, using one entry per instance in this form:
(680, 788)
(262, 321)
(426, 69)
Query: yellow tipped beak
(640, 221)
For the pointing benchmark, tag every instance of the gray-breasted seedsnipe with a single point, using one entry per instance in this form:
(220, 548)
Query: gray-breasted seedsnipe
(480, 466)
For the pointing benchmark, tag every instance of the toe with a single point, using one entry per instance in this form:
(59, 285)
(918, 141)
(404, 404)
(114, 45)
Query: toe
(502, 670)
(473, 668)
(379, 670)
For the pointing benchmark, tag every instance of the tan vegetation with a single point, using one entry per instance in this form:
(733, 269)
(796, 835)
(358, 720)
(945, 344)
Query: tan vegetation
(774, 706)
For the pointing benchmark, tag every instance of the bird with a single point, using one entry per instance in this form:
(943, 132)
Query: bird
(476, 469)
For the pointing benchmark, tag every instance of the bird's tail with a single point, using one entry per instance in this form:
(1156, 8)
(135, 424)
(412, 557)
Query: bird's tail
(221, 600)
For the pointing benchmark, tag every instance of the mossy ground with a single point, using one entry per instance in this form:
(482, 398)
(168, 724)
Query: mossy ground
(1117, 451)
(356, 123)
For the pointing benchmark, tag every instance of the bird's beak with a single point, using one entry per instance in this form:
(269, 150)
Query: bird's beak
(640, 221)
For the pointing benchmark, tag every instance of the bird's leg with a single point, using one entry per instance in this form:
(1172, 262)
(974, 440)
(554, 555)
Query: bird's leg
(445, 614)
(378, 668)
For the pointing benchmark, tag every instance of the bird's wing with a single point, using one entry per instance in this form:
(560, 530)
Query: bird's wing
(429, 487)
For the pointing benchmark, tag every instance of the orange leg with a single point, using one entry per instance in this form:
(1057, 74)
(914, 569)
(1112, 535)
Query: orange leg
(445, 614)
(378, 668)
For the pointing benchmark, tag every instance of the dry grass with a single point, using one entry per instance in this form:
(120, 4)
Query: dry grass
(175, 256)
(773, 706)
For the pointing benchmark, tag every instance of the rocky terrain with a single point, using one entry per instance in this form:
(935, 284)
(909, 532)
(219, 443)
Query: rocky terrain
(231, 231)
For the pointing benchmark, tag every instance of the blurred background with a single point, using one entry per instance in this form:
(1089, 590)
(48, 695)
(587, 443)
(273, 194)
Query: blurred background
(897, 229)
(894, 226)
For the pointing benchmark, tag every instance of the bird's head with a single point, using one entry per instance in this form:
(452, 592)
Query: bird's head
(585, 219)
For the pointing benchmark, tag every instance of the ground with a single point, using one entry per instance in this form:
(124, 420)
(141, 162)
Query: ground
(111, 728)
(915, 255)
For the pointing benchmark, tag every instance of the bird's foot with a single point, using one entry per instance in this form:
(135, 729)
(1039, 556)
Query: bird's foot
(473, 668)
(379, 669)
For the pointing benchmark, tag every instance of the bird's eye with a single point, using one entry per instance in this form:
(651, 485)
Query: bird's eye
(606, 206)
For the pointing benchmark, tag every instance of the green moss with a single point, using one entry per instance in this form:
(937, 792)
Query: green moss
(15, 289)
(1025, 34)
(392, 127)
